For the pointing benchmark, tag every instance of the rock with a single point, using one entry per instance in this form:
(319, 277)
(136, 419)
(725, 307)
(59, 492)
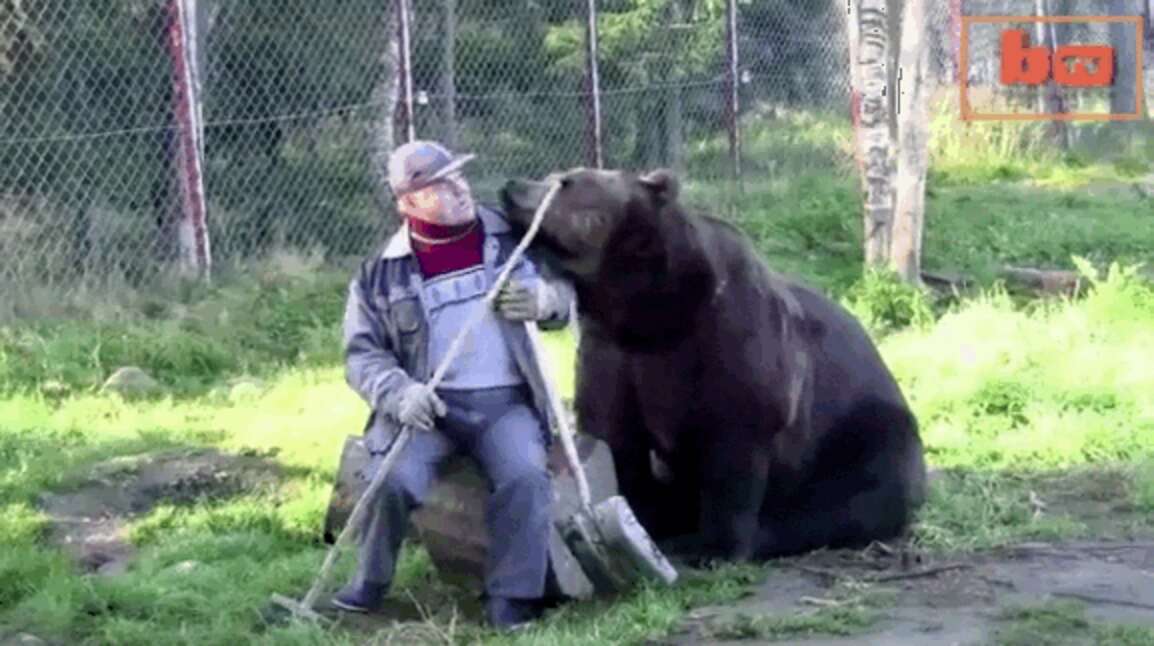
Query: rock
(244, 389)
(54, 388)
(23, 639)
(451, 524)
(130, 381)
(114, 567)
(184, 567)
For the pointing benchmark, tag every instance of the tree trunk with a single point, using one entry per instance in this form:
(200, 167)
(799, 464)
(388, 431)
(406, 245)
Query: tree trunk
(1124, 93)
(449, 75)
(870, 45)
(1051, 99)
(386, 94)
(913, 143)
(1148, 49)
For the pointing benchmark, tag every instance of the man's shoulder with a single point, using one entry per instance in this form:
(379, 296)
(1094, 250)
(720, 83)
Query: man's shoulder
(492, 207)
(375, 265)
(492, 213)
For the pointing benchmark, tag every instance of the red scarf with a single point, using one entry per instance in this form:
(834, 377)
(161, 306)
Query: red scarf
(459, 252)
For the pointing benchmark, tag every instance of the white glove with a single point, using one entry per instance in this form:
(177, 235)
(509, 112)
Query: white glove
(418, 405)
(520, 301)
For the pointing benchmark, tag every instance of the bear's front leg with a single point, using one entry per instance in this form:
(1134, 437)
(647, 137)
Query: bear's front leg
(733, 485)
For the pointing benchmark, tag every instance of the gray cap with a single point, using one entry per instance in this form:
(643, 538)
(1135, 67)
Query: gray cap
(417, 164)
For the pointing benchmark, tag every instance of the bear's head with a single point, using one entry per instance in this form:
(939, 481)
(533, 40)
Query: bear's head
(597, 216)
(623, 240)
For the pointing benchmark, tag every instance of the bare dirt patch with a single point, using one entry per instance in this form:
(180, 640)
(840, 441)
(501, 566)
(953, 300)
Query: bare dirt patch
(860, 598)
(90, 519)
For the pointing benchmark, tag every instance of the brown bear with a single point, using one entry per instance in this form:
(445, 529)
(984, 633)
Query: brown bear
(749, 416)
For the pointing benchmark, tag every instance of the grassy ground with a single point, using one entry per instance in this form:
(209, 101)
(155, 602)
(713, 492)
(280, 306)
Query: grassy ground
(1036, 412)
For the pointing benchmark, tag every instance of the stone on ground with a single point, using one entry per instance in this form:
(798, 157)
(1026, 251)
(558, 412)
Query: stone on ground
(131, 381)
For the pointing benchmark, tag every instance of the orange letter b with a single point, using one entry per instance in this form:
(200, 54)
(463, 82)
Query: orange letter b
(1021, 63)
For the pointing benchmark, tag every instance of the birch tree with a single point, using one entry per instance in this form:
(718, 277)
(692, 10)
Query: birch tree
(913, 143)
(869, 30)
(891, 125)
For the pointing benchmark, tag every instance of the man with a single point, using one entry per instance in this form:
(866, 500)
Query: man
(404, 308)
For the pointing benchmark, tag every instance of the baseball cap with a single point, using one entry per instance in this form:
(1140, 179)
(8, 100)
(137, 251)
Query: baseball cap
(417, 164)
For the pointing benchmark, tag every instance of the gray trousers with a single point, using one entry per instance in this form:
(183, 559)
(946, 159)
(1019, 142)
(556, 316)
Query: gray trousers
(500, 430)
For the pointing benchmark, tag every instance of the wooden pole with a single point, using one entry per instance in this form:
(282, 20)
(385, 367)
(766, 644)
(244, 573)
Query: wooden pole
(731, 89)
(449, 73)
(192, 232)
(593, 150)
(406, 71)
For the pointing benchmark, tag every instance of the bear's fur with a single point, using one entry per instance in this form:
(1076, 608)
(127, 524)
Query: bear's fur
(749, 416)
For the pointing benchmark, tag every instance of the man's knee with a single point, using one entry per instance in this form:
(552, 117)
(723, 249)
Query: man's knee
(521, 473)
(513, 452)
(405, 482)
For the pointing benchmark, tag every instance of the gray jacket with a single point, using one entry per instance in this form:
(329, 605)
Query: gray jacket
(386, 330)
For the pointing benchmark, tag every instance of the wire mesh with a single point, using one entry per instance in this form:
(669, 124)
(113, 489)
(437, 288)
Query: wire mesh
(301, 101)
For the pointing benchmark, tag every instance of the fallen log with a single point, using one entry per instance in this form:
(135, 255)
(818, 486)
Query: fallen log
(1044, 281)
(1040, 281)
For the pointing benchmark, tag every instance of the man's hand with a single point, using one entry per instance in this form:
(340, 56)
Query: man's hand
(518, 301)
(417, 407)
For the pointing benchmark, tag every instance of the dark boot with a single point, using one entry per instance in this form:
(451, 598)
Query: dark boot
(366, 597)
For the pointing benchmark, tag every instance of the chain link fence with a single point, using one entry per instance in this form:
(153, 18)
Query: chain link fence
(132, 132)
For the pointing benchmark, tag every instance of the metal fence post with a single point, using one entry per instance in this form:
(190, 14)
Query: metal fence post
(449, 73)
(731, 89)
(593, 153)
(192, 231)
(406, 70)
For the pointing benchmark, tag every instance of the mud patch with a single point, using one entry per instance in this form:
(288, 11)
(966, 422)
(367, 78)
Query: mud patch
(854, 598)
(90, 519)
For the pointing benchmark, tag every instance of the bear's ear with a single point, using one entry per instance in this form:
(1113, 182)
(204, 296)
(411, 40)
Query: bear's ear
(663, 184)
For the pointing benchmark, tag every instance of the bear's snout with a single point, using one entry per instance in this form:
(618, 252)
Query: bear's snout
(521, 198)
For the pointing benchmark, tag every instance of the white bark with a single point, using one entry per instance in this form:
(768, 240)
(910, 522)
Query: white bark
(913, 143)
(870, 51)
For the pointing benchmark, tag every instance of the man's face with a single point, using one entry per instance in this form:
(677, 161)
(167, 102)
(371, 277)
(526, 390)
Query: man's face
(448, 202)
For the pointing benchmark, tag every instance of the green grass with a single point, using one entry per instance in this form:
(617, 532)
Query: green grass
(836, 621)
(1064, 623)
(1007, 395)
(1018, 402)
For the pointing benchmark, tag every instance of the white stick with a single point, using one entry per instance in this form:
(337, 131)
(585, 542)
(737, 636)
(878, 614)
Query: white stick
(566, 433)
(403, 437)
